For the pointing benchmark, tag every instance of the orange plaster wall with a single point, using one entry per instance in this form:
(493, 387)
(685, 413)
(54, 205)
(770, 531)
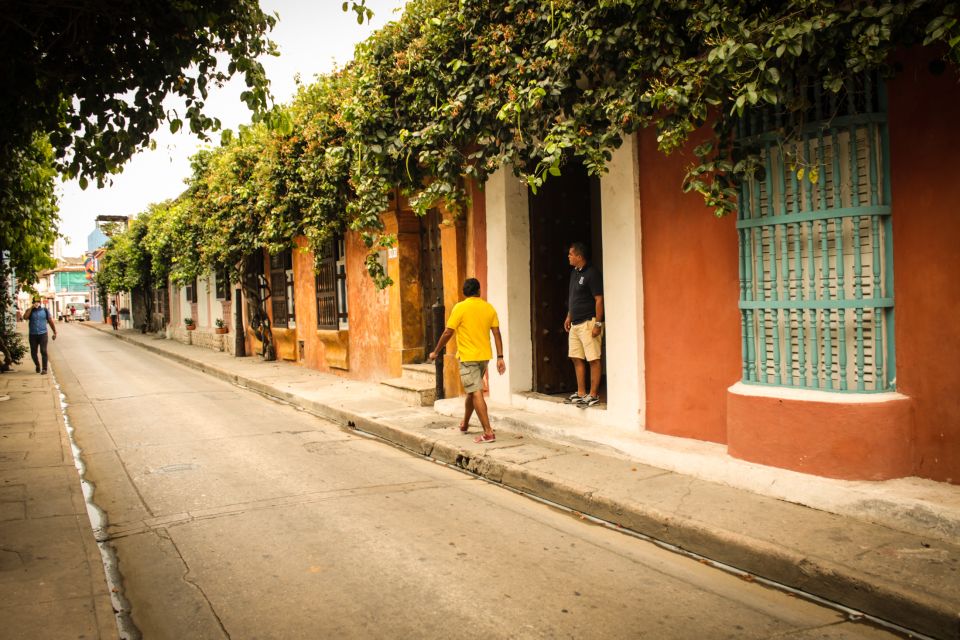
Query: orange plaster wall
(478, 230)
(368, 334)
(925, 183)
(691, 289)
(305, 296)
(369, 317)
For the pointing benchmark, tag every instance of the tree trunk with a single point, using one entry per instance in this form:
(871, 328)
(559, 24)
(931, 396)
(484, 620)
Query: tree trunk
(148, 308)
(256, 306)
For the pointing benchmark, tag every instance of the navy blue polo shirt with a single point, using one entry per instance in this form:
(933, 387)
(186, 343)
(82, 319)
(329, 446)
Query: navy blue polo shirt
(585, 285)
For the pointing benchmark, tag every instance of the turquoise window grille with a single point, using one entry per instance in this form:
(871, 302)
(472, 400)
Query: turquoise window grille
(814, 227)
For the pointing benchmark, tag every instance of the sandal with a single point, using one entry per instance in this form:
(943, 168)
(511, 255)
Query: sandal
(484, 438)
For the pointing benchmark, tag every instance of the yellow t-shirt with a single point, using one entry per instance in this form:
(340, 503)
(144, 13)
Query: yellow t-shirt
(472, 319)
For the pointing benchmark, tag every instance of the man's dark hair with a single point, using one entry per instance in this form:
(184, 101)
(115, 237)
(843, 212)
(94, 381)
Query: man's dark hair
(471, 287)
(580, 249)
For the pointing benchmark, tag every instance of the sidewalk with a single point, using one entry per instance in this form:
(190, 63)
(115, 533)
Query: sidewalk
(51, 573)
(889, 549)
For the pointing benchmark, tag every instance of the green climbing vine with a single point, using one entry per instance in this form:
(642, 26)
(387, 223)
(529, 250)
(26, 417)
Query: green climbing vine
(457, 89)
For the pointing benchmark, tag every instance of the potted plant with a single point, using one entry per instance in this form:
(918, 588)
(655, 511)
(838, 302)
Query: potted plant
(188, 322)
(220, 326)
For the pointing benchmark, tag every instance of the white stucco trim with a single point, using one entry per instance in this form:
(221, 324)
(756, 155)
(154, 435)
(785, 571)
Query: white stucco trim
(813, 395)
(508, 280)
(623, 288)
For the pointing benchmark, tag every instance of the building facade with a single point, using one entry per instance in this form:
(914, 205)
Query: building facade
(811, 331)
(808, 332)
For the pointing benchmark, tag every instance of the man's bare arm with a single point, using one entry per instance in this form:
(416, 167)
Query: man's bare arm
(441, 343)
(501, 365)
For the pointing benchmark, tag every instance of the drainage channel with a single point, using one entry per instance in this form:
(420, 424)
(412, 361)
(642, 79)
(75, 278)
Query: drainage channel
(98, 522)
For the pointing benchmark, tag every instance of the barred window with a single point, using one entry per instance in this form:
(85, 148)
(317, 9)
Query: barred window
(191, 291)
(281, 289)
(331, 285)
(816, 286)
(222, 284)
(161, 303)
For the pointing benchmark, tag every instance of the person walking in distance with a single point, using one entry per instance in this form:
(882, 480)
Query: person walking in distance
(473, 320)
(39, 319)
(584, 324)
(113, 314)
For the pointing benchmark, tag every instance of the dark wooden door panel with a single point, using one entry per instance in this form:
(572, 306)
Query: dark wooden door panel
(431, 273)
(560, 213)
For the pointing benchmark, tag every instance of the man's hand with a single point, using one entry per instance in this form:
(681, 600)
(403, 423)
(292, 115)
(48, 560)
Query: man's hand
(596, 331)
(501, 366)
(567, 324)
(54, 336)
(432, 356)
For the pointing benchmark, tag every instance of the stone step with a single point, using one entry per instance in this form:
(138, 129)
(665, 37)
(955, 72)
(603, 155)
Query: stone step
(417, 393)
(425, 372)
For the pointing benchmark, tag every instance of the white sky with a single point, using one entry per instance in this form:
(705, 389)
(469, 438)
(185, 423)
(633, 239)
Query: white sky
(313, 36)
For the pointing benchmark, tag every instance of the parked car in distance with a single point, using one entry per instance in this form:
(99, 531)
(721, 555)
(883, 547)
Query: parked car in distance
(82, 311)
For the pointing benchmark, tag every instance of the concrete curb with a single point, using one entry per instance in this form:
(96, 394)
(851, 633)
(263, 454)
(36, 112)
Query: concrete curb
(833, 581)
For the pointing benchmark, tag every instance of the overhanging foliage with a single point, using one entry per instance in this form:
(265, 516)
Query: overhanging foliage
(460, 88)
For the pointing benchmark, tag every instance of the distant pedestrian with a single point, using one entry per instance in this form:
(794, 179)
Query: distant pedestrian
(584, 323)
(473, 319)
(113, 315)
(39, 318)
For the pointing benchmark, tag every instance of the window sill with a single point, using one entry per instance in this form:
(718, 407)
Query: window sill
(814, 395)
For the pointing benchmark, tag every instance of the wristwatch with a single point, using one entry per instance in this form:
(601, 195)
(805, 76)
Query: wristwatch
(598, 324)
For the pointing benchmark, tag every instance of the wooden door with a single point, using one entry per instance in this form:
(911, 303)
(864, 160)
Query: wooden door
(280, 263)
(431, 274)
(560, 214)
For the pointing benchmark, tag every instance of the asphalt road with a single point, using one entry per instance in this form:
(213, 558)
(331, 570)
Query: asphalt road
(234, 516)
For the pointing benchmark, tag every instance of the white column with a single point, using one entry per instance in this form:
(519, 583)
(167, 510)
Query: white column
(184, 305)
(623, 288)
(508, 280)
(203, 301)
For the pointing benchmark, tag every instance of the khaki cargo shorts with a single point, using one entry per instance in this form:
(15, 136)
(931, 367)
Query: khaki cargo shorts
(581, 342)
(471, 375)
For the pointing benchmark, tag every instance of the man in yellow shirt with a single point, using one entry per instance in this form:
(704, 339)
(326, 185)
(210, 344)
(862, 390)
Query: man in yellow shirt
(473, 319)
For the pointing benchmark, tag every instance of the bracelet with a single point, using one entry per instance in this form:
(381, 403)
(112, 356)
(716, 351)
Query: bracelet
(499, 356)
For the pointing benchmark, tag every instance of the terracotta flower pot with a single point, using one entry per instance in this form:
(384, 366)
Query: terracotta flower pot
(191, 327)
(221, 330)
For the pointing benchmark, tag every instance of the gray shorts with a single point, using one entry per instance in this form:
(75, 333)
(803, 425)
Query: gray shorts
(471, 375)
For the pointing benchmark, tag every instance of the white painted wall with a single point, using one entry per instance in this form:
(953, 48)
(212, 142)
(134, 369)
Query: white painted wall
(204, 292)
(623, 288)
(508, 280)
(184, 306)
(208, 298)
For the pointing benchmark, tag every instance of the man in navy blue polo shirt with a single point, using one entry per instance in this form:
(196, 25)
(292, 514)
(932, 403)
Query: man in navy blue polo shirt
(584, 323)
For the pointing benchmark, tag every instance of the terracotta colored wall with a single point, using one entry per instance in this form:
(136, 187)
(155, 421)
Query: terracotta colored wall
(367, 336)
(369, 317)
(854, 441)
(691, 289)
(477, 231)
(305, 297)
(924, 148)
